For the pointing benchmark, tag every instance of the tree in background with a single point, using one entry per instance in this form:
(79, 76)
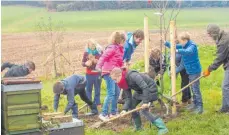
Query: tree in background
(52, 35)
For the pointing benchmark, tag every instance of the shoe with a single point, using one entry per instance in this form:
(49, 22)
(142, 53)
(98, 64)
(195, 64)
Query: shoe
(103, 118)
(185, 103)
(198, 110)
(191, 107)
(137, 123)
(189, 101)
(113, 115)
(75, 116)
(223, 110)
(94, 110)
(162, 129)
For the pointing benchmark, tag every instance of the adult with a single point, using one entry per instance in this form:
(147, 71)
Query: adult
(221, 39)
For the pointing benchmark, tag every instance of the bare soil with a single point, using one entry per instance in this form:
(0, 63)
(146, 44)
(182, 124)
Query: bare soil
(19, 47)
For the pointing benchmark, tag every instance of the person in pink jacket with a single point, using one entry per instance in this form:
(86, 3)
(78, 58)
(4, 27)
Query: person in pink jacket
(111, 58)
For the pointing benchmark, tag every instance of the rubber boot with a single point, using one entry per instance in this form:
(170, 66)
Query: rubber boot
(137, 123)
(161, 126)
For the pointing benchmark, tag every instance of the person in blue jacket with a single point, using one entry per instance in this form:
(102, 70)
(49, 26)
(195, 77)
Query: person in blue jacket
(72, 86)
(133, 40)
(191, 63)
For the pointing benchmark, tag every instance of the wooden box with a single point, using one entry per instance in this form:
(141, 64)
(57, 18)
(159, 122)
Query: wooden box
(20, 107)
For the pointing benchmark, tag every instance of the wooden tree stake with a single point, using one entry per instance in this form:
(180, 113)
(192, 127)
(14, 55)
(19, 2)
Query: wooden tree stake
(146, 40)
(173, 65)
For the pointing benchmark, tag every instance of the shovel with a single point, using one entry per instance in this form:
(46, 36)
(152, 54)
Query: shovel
(82, 107)
(170, 98)
(98, 124)
(187, 86)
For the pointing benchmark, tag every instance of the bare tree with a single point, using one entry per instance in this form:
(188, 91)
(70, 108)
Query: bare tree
(166, 15)
(53, 36)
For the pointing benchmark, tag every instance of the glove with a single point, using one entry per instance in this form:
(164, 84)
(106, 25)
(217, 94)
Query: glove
(145, 105)
(206, 73)
(123, 112)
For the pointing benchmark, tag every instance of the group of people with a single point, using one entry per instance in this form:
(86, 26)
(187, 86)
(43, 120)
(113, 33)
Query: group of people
(112, 64)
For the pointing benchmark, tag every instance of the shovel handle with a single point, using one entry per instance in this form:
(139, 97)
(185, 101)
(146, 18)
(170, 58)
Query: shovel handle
(187, 86)
(127, 113)
(82, 107)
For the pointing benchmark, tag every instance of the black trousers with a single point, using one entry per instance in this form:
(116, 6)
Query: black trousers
(186, 94)
(145, 112)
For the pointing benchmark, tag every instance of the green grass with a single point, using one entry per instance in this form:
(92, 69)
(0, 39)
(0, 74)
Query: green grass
(24, 19)
(209, 123)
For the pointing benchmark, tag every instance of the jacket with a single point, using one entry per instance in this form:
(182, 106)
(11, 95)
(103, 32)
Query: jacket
(111, 58)
(92, 67)
(145, 88)
(14, 70)
(189, 58)
(72, 86)
(129, 47)
(222, 52)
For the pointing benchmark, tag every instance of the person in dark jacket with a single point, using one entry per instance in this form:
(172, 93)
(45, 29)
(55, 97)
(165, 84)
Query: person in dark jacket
(222, 43)
(191, 63)
(186, 94)
(133, 40)
(91, 56)
(71, 86)
(18, 70)
(145, 91)
(154, 63)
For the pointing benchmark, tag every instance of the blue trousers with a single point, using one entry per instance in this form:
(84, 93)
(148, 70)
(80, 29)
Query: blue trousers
(112, 96)
(93, 80)
(197, 97)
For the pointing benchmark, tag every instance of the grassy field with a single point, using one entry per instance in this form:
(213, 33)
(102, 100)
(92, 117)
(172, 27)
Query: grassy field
(209, 123)
(24, 19)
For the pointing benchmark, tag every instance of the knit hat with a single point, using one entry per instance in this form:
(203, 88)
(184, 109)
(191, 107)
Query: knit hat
(213, 30)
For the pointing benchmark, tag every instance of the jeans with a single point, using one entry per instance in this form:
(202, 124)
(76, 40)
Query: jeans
(225, 87)
(112, 96)
(93, 80)
(186, 94)
(197, 97)
(145, 112)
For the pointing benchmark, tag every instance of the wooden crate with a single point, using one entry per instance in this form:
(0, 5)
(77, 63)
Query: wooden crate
(21, 108)
(62, 119)
(49, 116)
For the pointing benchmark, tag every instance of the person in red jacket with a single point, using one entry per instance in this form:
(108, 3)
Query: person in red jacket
(90, 58)
(111, 58)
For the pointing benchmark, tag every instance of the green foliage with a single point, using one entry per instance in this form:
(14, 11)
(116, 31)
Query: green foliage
(26, 18)
(209, 123)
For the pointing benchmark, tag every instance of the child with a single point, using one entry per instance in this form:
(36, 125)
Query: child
(191, 63)
(133, 40)
(90, 59)
(154, 63)
(145, 90)
(112, 57)
(72, 86)
(18, 70)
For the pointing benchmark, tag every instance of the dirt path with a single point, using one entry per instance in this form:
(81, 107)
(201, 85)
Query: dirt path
(20, 47)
